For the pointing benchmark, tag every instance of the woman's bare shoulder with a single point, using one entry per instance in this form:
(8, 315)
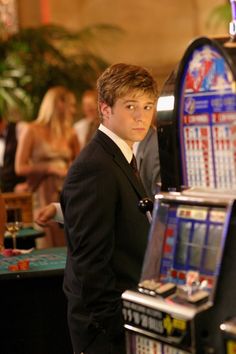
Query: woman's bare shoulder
(36, 128)
(29, 131)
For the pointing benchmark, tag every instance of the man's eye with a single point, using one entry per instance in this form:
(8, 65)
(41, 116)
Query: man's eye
(131, 107)
(148, 108)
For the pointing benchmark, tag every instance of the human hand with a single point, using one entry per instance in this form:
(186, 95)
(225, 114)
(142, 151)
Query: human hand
(45, 215)
(22, 187)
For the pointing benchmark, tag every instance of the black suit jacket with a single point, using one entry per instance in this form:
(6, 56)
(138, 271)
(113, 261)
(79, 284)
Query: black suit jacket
(106, 236)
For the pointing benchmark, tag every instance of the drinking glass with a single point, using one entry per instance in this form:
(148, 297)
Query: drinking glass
(13, 222)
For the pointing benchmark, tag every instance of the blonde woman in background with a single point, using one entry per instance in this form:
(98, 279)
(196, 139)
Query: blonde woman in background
(45, 152)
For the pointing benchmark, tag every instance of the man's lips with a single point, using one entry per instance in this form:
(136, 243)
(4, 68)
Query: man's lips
(139, 129)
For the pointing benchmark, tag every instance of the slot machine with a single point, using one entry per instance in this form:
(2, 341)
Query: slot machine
(196, 118)
(187, 290)
(185, 302)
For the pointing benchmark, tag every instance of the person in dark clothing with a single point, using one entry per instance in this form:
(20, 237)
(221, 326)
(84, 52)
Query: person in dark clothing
(105, 231)
(8, 143)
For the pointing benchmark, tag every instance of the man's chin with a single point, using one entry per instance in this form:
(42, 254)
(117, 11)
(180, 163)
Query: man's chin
(140, 137)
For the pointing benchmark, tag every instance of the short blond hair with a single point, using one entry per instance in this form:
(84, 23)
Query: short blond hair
(121, 79)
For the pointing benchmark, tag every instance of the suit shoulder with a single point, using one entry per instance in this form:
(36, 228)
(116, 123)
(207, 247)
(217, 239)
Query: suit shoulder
(92, 158)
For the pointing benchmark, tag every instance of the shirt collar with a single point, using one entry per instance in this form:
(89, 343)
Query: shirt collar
(122, 145)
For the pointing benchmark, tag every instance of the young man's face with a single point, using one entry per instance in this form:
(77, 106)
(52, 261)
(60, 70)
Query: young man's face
(130, 117)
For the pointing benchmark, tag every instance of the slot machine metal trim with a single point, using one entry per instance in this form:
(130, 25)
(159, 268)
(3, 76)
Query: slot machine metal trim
(207, 193)
(142, 331)
(192, 196)
(159, 304)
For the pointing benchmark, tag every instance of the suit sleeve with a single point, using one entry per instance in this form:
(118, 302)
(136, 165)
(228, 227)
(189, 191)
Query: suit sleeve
(89, 203)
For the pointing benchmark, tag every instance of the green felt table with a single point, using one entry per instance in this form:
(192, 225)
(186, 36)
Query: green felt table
(26, 232)
(44, 262)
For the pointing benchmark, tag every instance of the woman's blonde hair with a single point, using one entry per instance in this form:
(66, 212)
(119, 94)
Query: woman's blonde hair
(48, 112)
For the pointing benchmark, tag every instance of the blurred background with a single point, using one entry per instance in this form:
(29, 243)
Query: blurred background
(48, 42)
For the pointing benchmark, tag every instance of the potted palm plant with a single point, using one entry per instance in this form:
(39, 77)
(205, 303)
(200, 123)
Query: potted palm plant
(34, 59)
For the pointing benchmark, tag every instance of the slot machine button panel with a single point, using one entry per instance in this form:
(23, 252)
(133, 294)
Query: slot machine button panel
(198, 297)
(166, 289)
(148, 287)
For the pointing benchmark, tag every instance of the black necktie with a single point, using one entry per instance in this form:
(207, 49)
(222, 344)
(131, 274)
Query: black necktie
(134, 166)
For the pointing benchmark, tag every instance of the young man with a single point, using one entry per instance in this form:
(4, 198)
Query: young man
(106, 233)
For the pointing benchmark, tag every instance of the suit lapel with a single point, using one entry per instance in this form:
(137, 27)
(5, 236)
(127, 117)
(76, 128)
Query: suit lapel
(128, 171)
(121, 161)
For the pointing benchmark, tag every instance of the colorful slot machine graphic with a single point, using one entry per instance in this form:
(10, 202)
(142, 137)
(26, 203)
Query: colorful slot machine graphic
(196, 119)
(207, 121)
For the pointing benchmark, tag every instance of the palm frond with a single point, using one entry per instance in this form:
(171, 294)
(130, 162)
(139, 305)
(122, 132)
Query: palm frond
(219, 15)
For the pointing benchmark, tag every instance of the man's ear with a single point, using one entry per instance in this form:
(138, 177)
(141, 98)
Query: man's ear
(105, 110)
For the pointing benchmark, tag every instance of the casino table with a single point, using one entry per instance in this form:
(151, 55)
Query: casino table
(33, 306)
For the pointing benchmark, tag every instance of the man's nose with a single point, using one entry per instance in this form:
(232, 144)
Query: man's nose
(138, 114)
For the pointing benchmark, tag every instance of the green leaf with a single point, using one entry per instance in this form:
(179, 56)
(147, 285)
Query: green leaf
(219, 15)
(34, 59)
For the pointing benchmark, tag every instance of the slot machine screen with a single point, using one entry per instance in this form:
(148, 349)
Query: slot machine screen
(207, 120)
(185, 238)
